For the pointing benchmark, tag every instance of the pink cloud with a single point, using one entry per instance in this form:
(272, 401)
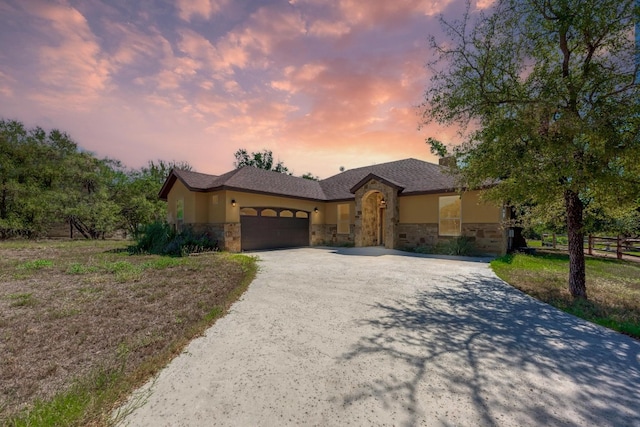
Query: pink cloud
(133, 45)
(205, 9)
(322, 83)
(71, 63)
(6, 84)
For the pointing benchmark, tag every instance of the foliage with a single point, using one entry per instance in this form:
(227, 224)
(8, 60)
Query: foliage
(461, 245)
(260, 159)
(310, 176)
(46, 179)
(548, 93)
(137, 194)
(159, 238)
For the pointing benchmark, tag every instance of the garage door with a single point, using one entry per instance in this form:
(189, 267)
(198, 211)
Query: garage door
(271, 228)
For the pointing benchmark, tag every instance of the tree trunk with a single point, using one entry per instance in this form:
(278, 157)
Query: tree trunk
(577, 285)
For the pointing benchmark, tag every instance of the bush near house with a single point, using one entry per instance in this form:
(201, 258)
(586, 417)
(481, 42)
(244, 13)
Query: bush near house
(161, 239)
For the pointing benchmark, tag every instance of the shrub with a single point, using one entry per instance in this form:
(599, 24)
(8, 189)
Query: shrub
(187, 242)
(460, 246)
(159, 238)
(425, 249)
(154, 238)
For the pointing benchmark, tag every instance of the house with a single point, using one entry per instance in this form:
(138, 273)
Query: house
(406, 203)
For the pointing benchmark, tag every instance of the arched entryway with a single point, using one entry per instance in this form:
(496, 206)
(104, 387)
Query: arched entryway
(377, 211)
(373, 209)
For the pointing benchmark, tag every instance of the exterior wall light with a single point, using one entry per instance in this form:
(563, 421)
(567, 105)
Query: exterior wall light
(315, 210)
(233, 202)
(383, 203)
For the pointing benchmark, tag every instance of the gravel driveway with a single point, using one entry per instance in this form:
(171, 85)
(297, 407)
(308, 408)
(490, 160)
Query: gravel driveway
(376, 337)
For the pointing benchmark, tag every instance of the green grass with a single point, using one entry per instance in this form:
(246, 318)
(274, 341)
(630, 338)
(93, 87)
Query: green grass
(36, 264)
(22, 300)
(90, 394)
(149, 289)
(613, 287)
(534, 243)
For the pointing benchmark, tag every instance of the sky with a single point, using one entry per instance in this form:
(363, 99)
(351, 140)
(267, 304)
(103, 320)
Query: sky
(324, 84)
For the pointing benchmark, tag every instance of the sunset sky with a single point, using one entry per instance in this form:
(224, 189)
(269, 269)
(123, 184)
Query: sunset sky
(322, 83)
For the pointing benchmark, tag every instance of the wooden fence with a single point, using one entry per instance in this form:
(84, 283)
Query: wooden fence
(616, 245)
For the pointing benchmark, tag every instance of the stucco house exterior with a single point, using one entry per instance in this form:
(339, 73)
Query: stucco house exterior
(405, 203)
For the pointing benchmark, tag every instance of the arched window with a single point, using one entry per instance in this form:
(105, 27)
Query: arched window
(248, 212)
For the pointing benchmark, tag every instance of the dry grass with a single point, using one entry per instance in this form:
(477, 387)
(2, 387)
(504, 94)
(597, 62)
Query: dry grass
(613, 287)
(87, 312)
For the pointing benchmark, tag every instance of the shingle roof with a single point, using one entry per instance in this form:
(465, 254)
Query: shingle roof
(411, 175)
(414, 175)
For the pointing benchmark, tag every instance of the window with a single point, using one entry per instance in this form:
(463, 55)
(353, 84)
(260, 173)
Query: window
(179, 214)
(343, 219)
(450, 216)
(180, 210)
(248, 212)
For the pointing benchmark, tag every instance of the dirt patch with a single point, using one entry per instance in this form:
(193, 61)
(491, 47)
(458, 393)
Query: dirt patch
(68, 309)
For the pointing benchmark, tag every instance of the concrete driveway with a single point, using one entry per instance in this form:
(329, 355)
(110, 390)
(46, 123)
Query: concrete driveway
(370, 336)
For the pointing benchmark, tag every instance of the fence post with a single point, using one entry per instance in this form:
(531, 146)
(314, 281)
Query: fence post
(554, 240)
(590, 244)
(619, 248)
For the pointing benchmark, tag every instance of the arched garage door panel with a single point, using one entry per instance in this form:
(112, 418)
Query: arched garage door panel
(270, 232)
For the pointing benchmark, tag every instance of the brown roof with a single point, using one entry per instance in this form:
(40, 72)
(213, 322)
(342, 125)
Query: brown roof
(414, 175)
(408, 176)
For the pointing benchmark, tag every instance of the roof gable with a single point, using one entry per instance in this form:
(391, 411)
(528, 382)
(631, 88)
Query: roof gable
(194, 181)
(373, 176)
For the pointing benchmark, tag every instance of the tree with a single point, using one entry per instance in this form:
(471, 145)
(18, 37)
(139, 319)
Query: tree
(547, 94)
(31, 171)
(310, 176)
(137, 194)
(261, 160)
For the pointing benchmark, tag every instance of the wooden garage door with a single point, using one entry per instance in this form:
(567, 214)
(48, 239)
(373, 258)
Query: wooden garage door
(267, 228)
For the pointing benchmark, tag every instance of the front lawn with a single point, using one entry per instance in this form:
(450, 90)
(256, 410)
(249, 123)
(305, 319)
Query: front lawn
(84, 323)
(613, 287)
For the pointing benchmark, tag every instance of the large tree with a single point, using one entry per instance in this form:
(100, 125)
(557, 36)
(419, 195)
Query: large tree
(46, 179)
(547, 92)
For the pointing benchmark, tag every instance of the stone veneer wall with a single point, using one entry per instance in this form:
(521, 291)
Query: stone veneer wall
(487, 238)
(391, 213)
(327, 234)
(414, 235)
(227, 234)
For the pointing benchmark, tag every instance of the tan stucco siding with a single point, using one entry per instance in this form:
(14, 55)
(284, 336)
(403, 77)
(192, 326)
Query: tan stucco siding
(179, 191)
(215, 202)
(201, 208)
(262, 200)
(331, 212)
(421, 209)
(478, 212)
